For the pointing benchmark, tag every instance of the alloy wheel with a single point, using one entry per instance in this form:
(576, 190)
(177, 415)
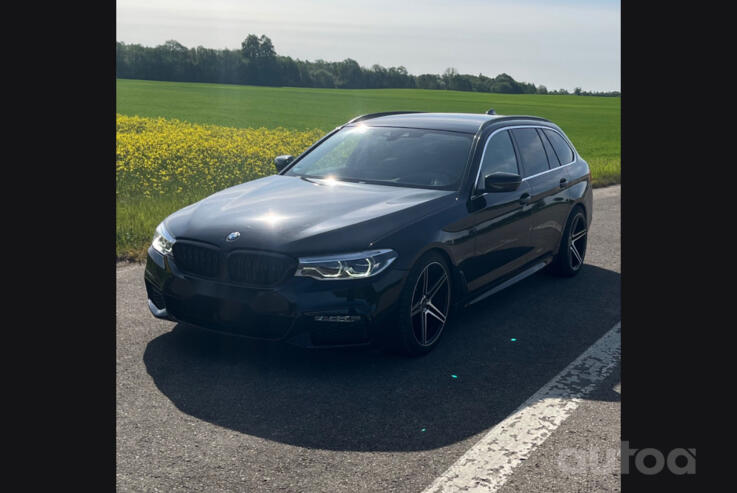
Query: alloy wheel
(430, 304)
(577, 242)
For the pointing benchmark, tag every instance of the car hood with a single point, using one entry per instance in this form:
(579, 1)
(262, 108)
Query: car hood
(302, 216)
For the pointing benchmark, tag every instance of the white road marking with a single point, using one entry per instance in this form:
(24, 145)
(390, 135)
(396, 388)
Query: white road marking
(488, 464)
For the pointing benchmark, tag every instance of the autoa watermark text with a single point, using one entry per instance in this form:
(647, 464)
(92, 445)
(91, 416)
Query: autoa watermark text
(648, 461)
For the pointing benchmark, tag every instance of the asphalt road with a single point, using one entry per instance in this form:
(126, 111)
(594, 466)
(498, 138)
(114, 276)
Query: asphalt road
(202, 412)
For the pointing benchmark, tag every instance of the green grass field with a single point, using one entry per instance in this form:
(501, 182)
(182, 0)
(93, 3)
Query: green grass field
(592, 123)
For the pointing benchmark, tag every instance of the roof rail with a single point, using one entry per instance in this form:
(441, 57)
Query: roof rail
(376, 115)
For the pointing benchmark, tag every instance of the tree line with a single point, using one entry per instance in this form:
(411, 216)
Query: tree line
(257, 63)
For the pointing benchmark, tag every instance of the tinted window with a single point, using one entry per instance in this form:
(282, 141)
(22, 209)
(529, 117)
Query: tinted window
(389, 155)
(499, 156)
(562, 149)
(552, 158)
(531, 151)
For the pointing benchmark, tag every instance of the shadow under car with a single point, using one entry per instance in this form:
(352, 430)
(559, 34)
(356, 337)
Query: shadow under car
(494, 355)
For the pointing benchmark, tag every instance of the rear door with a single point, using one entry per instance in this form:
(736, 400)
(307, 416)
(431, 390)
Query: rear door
(501, 233)
(548, 181)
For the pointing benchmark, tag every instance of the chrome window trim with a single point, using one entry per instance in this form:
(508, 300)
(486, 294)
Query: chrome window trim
(486, 144)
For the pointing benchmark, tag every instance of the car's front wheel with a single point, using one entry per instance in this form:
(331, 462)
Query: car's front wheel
(424, 306)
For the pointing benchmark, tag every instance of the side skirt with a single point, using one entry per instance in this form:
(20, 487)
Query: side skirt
(512, 280)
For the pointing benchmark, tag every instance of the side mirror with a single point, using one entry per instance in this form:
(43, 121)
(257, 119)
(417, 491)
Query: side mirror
(281, 161)
(502, 182)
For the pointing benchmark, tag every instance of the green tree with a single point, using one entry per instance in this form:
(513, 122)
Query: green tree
(256, 62)
(260, 65)
(250, 47)
(429, 81)
(348, 74)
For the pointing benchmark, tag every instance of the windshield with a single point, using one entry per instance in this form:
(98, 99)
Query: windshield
(388, 155)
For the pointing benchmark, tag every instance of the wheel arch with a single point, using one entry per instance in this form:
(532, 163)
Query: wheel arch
(578, 205)
(458, 280)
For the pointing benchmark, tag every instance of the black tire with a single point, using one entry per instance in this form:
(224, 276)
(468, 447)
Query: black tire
(572, 251)
(407, 335)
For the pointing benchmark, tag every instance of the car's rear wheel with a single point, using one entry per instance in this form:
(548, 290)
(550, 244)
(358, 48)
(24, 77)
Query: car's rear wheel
(570, 257)
(424, 306)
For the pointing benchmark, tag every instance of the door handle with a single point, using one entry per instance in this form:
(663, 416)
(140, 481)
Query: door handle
(563, 182)
(525, 198)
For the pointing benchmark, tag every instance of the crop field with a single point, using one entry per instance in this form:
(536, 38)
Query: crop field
(179, 142)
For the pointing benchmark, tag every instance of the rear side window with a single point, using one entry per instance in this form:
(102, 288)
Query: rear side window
(532, 153)
(562, 149)
(552, 158)
(499, 156)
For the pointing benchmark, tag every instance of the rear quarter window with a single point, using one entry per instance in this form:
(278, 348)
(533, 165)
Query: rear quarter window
(561, 147)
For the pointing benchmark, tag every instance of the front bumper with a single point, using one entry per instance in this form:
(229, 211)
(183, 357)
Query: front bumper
(301, 311)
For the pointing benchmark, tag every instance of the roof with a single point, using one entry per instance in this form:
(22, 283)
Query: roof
(456, 122)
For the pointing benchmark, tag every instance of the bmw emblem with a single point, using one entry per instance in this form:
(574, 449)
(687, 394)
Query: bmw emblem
(233, 236)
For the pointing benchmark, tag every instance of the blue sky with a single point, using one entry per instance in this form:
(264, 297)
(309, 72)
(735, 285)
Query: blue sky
(560, 44)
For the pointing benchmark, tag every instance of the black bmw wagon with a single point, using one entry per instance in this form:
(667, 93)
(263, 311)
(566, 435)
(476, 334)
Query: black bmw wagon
(378, 232)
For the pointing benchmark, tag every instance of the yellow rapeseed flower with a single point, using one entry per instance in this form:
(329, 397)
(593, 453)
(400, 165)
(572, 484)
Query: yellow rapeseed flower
(168, 156)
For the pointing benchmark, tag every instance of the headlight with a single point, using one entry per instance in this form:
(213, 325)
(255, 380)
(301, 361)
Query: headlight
(163, 240)
(346, 266)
